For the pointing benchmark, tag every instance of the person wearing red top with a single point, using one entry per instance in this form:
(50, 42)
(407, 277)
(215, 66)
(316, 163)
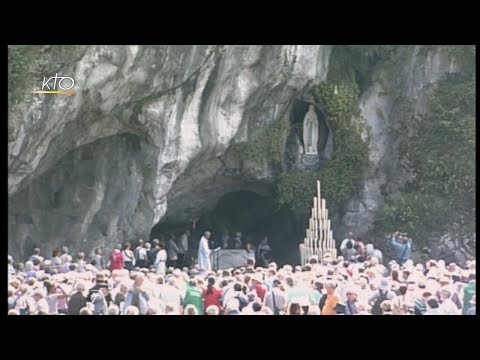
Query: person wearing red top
(116, 259)
(258, 287)
(211, 295)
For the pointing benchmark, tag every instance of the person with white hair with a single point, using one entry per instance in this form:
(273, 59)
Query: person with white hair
(212, 310)
(29, 269)
(447, 306)
(232, 307)
(137, 295)
(116, 259)
(85, 311)
(351, 307)
(78, 300)
(170, 294)
(328, 301)
(113, 310)
(132, 310)
(288, 269)
(40, 305)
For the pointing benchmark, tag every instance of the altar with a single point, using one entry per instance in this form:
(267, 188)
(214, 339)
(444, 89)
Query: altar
(225, 258)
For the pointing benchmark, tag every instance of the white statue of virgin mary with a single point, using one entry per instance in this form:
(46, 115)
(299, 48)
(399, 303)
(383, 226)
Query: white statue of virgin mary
(310, 131)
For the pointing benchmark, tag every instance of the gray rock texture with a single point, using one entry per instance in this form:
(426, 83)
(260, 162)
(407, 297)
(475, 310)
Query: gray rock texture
(142, 138)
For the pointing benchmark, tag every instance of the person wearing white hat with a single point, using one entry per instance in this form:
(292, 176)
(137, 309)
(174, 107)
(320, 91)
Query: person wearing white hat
(351, 303)
(383, 293)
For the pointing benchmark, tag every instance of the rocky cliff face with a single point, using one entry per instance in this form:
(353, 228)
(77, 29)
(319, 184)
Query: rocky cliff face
(148, 136)
(383, 113)
(99, 166)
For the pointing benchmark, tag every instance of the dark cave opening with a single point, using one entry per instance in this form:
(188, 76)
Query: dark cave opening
(254, 215)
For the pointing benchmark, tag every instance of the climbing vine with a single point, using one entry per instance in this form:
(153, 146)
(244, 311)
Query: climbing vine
(266, 144)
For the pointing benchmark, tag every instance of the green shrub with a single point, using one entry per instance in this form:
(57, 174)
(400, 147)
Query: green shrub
(414, 213)
(442, 151)
(297, 189)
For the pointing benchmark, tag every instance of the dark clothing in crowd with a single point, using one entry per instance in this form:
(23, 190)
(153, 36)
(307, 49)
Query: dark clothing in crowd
(76, 303)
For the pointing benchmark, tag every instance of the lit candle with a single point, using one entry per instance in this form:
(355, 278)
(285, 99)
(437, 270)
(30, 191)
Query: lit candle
(328, 233)
(318, 190)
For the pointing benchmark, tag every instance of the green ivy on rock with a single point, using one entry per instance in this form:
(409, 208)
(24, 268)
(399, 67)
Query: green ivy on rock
(267, 144)
(19, 59)
(441, 151)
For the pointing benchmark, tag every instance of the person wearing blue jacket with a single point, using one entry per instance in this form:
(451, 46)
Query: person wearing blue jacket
(402, 247)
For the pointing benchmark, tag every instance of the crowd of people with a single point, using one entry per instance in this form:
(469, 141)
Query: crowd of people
(151, 279)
